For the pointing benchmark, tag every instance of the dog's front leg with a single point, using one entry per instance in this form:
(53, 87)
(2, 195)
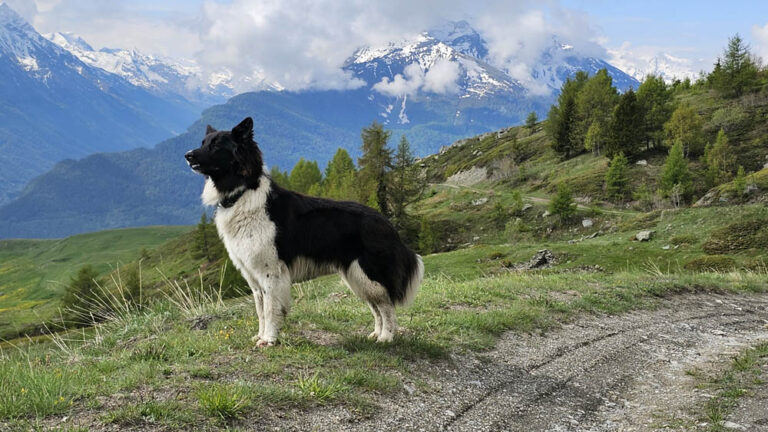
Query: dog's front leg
(277, 303)
(258, 299)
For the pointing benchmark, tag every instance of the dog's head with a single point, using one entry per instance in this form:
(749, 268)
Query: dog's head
(230, 158)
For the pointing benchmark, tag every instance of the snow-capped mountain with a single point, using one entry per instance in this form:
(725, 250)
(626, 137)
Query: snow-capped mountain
(160, 75)
(665, 65)
(55, 106)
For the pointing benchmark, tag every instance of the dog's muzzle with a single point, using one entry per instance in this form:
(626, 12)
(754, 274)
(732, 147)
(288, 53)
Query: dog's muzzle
(190, 157)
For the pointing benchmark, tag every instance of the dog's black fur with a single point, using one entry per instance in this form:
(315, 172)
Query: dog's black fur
(331, 234)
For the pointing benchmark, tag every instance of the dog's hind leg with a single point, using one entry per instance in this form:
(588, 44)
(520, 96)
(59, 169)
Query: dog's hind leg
(388, 322)
(376, 322)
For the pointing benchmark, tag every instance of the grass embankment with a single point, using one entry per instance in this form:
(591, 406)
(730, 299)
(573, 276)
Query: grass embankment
(34, 273)
(152, 369)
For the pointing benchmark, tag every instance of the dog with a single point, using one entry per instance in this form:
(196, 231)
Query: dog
(275, 236)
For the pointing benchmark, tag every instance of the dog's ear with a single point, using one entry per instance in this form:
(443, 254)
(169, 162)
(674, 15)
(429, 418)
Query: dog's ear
(209, 129)
(244, 131)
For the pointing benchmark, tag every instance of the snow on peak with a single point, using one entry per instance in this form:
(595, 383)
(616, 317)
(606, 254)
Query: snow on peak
(641, 64)
(68, 41)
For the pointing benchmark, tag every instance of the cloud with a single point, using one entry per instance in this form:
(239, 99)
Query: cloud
(760, 37)
(440, 78)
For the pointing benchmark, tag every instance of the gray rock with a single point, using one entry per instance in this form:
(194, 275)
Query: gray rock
(644, 235)
(543, 259)
(586, 223)
(526, 207)
(479, 201)
(546, 213)
(642, 162)
(734, 426)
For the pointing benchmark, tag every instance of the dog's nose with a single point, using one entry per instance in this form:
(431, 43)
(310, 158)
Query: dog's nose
(188, 156)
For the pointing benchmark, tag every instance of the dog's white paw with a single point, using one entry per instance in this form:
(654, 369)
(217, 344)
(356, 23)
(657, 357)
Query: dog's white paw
(384, 337)
(262, 343)
(373, 336)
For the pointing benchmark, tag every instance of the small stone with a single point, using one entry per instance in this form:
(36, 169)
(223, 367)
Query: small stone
(665, 247)
(734, 426)
(642, 162)
(586, 223)
(479, 201)
(450, 413)
(526, 207)
(410, 389)
(546, 213)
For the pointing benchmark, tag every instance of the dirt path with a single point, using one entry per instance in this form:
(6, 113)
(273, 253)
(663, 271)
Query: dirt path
(622, 373)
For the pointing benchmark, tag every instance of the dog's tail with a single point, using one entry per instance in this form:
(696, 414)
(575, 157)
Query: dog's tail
(413, 277)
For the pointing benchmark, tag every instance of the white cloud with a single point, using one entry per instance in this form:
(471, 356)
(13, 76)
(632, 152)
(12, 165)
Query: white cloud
(440, 78)
(640, 61)
(760, 36)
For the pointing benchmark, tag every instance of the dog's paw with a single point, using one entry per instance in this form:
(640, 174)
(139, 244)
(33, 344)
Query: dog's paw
(373, 336)
(384, 338)
(262, 343)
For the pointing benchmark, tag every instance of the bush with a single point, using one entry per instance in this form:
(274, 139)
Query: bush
(738, 236)
(717, 263)
(682, 239)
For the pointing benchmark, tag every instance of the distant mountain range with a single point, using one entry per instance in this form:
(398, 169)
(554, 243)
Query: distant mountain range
(54, 106)
(434, 89)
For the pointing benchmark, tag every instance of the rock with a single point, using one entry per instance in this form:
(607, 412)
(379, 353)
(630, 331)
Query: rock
(644, 235)
(665, 247)
(410, 389)
(479, 201)
(476, 238)
(546, 213)
(734, 426)
(751, 188)
(642, 162)
(586, 223)
(543, 259)
(526, 207)
(201, 322)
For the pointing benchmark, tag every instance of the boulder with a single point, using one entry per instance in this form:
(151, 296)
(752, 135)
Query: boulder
(642, 162)
(526, 207)
(644, 235)
(542, 259)
(586, 223)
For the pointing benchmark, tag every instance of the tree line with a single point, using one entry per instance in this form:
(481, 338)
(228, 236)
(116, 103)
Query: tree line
(591, 115)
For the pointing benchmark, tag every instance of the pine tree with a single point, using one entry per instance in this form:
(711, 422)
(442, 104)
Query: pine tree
(617, 178)
(339, 180)
(280, 177)
(428, 240)
(626, 121)
(202, 238)
(655, 99)
(79, 297)
(374, 166)
(305, 174)
(562, 205)
(595, 104)
(740, 182)
(531, 120)
(562, 123)
(737, 72)
(685, 125)
(676, 171)
(720, 160)
(406, 184)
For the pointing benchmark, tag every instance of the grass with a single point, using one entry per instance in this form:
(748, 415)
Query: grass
(33, 273)
(743, 375)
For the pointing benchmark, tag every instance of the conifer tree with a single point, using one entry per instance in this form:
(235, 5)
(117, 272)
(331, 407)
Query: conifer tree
(304, 175)
(626, 121)
(531, 120)
(740, 182)
(736, 72)
(676, 171)
(685, 125)
(595, 104)
(406, 184)
(201, 238)
(655, 99)
(79, 297)
(617, 178)
(374, 166)
(339, 182)
(280, 177)
(720, 160)
(562, 124)
(562, 205)
(428, 240)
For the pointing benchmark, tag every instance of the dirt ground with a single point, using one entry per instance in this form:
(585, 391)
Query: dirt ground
(609, 373)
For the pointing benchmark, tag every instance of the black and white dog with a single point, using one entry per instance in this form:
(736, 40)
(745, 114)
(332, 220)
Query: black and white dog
(275, 236)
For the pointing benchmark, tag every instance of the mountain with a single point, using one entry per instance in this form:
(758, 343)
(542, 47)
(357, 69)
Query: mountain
(160, 75)
(435, 88)
(54, 106)
(665, 65)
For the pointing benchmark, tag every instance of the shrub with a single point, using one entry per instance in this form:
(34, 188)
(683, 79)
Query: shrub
(711, 263)
(682, 239)
(752, 234)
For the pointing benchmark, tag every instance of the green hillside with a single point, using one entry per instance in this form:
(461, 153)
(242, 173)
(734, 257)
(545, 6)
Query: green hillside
(33, 273)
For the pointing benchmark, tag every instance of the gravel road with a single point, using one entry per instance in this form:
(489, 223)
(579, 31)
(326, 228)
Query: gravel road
(599, 373)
